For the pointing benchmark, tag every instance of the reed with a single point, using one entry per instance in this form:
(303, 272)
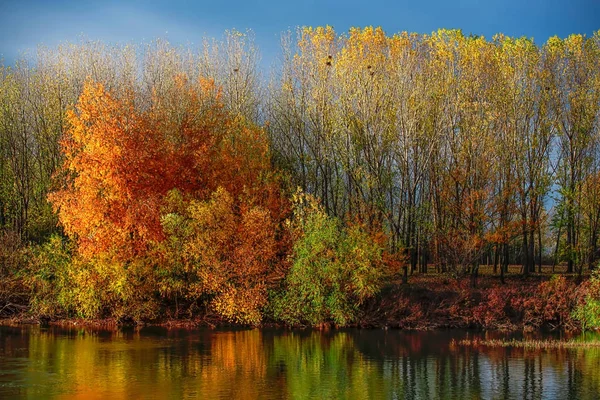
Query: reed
(530, 344)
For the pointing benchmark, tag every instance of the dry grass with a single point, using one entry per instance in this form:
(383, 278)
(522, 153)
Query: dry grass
(530, 344)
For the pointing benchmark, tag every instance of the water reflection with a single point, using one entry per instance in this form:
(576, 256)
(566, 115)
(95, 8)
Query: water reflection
(249, 364)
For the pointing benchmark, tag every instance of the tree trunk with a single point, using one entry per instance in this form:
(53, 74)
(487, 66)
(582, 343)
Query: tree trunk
(525, 261)
(496, 257)
(474, 274)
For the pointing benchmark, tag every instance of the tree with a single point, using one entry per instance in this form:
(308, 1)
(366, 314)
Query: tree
(121, 163)
(334, 268)
(574, 86)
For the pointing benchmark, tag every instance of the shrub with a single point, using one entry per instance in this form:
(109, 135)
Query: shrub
(67, 285)
(587, 311)
(13, 258)
(49, 276)
(105, 286)
(11, 253)
(333, 268)
(496, 308)
(551, 305)
(221, 252)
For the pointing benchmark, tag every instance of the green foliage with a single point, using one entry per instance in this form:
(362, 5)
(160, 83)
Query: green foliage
(64, 285)
(588, 314)
(587, 311)
(334, 269)
(173, 275)
(42, 222)
(49, 275)
(106, 287)
(14, 295)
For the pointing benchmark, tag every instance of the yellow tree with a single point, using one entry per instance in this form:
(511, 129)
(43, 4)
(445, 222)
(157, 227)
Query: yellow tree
(526, 135)
(574, 87)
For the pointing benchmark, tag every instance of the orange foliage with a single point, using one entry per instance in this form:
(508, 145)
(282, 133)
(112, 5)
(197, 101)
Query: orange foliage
(231, 252)
(120, 163)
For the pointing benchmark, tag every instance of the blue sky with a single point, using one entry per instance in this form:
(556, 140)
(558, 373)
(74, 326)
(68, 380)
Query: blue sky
(25, 24)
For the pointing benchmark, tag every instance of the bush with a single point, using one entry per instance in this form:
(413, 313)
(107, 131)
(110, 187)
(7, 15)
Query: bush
(550, 306)
(49, 275)
(496, 310)
(12, 253)
(67, 285)
(104, 286)
(221, 252)
(587, 311)
(334, 269)
(13, 258)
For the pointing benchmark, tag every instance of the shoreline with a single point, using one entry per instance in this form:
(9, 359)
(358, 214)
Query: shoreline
(428, 303)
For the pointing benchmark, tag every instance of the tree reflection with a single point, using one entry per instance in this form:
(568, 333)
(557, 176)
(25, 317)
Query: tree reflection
(160, 363)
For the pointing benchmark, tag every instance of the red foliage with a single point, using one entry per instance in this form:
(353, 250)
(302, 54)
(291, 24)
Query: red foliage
(434, 302)
(120, 162)
(551, 305)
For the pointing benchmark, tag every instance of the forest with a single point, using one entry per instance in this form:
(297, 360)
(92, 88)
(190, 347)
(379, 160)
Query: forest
(366, 179)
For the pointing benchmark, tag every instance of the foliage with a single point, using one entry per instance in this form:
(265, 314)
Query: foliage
(587, 311)
(440, 148)
(11, 253)
(123, 166)
(551, 305)
(64, 284)
(223, 250)
(499, 307)
(334, 269)
(14, 294)
(118, 167)
(48, 274)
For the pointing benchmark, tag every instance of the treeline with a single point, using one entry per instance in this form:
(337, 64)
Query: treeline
(37, 92)
(464, 149)
(173, 172)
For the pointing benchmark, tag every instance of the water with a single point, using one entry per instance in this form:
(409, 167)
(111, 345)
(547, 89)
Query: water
(39, 363)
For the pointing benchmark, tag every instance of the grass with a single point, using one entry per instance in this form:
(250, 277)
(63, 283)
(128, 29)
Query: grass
(530, 344)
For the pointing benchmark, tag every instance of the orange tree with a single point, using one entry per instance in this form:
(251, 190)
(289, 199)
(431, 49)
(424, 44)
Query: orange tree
(120, 164)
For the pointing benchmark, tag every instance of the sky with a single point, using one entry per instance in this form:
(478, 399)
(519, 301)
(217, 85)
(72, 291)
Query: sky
(25, 24)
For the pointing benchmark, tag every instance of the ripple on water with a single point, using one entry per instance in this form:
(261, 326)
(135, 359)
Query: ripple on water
(159, 363)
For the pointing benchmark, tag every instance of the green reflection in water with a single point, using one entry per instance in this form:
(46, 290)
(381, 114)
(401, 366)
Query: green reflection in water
(248, 364)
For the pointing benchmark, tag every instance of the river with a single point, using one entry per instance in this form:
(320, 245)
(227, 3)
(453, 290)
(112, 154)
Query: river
(160, 363)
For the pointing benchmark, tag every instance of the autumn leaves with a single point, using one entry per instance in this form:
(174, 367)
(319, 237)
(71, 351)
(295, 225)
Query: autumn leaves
(454, 143)
(178, 169)
(183, 185)
(120, 163)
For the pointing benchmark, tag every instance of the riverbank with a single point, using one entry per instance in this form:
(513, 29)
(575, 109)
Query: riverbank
(428, 302)
(521, 304)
